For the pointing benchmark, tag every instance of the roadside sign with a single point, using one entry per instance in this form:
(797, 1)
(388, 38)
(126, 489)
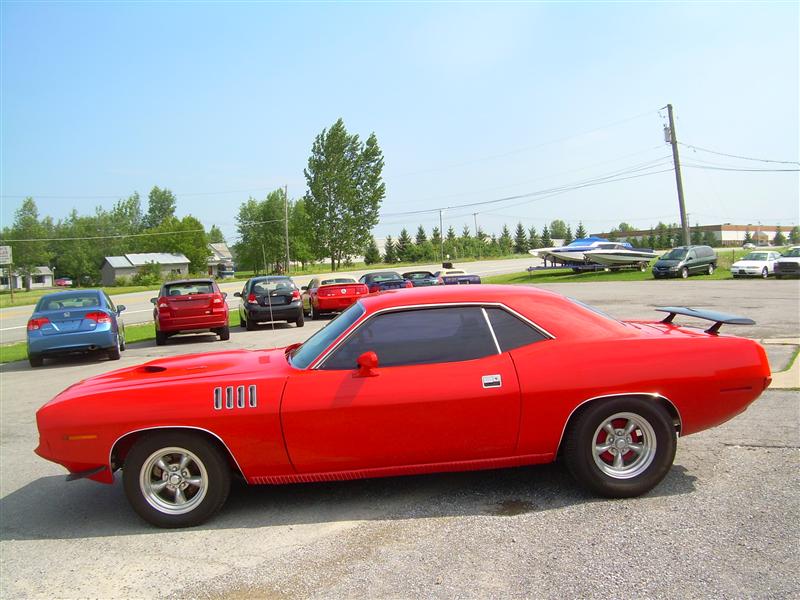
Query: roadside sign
(5, 255)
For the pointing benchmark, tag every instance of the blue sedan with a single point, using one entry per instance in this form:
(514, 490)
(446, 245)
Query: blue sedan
(79, 321)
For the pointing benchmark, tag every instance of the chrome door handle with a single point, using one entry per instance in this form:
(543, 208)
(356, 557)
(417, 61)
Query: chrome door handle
(492, 381)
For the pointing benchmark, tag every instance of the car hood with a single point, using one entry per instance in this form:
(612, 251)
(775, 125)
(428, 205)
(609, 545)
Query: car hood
(187, 367)
(662, 262)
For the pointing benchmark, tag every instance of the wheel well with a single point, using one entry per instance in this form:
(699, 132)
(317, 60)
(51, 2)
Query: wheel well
(666, 404)
(123, 445)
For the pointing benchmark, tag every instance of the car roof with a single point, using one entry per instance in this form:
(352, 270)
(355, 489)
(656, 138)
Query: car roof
(270, 278)
(66, 294)
(185, 281)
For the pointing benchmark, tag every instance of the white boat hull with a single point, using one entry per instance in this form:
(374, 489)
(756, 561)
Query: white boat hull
(619, 257)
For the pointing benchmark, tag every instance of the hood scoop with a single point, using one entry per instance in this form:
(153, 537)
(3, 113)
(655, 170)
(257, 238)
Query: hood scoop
(152, 369)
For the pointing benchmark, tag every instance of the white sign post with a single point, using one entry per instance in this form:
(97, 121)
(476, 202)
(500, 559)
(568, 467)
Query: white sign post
(5, 259)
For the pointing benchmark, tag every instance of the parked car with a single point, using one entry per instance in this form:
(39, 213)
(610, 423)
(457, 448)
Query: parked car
(334, 294)
(788, 265)
(384, 280)
(760, 263)
(440, 378)
(72, 322)
(190, 305)
(748, 245)
(455, 277)
(268, 299)
(421, 278)
(686, 260)
(63, 282)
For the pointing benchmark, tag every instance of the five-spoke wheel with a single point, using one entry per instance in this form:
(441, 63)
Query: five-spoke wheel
(175, 479)
(620, 447)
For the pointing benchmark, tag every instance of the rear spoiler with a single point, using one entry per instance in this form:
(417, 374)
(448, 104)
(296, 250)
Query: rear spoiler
(719, 318)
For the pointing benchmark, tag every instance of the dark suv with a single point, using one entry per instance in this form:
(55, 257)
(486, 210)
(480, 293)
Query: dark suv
(270, 298)
(686, 260)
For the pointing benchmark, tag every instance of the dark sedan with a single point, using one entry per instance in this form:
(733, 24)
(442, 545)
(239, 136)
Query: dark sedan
(384, 280)
(269, 299)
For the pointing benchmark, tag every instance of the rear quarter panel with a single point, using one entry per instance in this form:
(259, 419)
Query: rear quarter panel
(708, 379)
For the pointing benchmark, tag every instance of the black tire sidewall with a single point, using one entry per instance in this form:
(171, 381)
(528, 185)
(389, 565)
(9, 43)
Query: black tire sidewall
(580, 439)
(216, 467)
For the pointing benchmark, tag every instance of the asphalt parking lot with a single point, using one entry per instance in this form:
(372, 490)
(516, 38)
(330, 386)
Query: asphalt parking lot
(724, 523)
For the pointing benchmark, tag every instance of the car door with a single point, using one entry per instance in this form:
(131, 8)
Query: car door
(691, 261)
(442, 393)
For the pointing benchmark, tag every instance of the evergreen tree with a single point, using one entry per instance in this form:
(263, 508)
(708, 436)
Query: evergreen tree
(436, 237)
(520, 240)
(533, 239)
(390, 254)
(465, 232)
(372, 255)
(421, 236)
(546, 241)
(580, 233)
(697, 235)
(403, 246)
(451, 234)
(794, 235)
(748, 238)
(568, 238)
(779, 239)
(505, 241)
(709, 239)
(215, 235)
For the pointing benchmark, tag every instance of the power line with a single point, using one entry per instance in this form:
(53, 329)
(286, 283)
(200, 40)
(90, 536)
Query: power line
(122, 196)
(695, 166)
(766, 160)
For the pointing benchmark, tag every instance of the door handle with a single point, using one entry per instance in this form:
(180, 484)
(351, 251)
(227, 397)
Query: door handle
(492, 381)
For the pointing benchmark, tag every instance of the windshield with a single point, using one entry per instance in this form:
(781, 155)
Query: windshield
(794, 252)
(337, 280)
(316, 344)
(417, 275)
(756, 256)
(675, 254)
(61, 301)
(389, 276)
(188, 288)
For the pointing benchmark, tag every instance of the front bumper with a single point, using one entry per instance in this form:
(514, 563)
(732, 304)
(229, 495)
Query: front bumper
(283, 312)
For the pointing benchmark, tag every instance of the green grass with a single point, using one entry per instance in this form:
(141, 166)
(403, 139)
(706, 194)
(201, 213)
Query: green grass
(566, 275)
(133, 333)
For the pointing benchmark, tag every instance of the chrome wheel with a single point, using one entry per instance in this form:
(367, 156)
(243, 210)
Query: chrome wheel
(624, 445)
(173, 480)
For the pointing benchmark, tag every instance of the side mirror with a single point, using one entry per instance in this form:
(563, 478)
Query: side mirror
(120, 308)
(291, 348)
(367, 363)
(153, 300)
(237, 294)
(303, 288)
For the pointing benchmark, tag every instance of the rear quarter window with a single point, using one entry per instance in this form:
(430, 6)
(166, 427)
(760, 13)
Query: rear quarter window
(511, 331)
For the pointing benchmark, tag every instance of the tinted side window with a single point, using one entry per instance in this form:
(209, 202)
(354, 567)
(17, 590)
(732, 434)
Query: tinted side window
(512, 332)
(417, 337)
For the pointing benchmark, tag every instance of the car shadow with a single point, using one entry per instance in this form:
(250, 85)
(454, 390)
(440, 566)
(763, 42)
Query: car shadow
(66, 360)
(50, 508)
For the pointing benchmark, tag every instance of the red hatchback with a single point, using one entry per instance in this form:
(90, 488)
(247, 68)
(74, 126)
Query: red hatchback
(331, 295)
(190, 305)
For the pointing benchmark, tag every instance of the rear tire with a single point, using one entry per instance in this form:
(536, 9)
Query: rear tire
(242, 319)
(114, 351)
(765, 272)
(710, 269)
(35, 360)
(224, 333)
(197, 467)
(621, 447)
(300, 321)
(248, 324)
(161, 338)
(314, 313)
(685, 273)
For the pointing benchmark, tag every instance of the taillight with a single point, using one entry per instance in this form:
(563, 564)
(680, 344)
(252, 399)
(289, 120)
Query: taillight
(373, 289)
(251, 298)
(409, 284)
(36, 324)
(362, 289)
(98, 316)
(439, 281)
(295, 294)
(218, 299)
(162, 303)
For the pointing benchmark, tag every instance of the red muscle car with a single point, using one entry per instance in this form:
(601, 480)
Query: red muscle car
(333, 294)
(470, 370)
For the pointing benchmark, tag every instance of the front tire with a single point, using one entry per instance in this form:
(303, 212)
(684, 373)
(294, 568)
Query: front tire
(621, 447)
(224, 333)
(176, 479)
(35, 360)
(685, 273)
(765, 272)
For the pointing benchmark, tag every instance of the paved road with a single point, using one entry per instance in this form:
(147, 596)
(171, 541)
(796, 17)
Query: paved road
(724, 523)
(139, 309)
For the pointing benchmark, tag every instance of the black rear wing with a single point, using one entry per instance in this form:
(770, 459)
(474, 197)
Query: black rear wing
(719, 318)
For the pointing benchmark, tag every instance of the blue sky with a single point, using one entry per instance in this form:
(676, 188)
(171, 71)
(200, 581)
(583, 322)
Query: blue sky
(470, 102)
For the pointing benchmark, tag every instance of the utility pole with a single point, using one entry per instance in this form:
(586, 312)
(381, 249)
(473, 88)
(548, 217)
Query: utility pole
(475, 216)
(286, 222)
(673, 140)
(441, 236)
